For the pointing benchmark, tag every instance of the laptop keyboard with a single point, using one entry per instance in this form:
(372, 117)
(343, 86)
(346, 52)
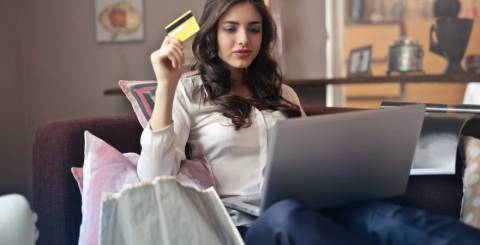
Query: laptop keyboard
(254, 202)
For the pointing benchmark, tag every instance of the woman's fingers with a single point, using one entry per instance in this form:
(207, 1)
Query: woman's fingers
(175, 41)
(156, 56)
(169, 40)
(175, 53)
(178, 53)
(172, 49)
(173, 57)
(165, 42)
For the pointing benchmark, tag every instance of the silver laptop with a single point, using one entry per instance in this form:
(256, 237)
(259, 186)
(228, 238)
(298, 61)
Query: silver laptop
(329, 160)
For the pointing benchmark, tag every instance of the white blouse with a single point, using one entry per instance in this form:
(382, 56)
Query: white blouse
(236, 158)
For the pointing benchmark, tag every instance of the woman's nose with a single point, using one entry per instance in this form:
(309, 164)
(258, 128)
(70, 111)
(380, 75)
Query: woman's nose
(242, 37)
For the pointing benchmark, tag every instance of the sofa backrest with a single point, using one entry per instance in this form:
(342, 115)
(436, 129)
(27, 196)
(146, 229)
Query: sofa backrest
(58, 146)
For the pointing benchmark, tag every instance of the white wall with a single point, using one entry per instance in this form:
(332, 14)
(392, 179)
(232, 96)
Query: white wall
(61, 70)
(303, 38)
(68, 70)
(55, 69)
(12, 164)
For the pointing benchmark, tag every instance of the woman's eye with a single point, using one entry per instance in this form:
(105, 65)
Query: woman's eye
(255, 30)
(229, 29)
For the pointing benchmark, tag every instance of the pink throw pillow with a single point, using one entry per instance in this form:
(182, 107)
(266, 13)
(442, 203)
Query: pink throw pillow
(105, 170)
(196, 173)
(191, 171)
(77, 173)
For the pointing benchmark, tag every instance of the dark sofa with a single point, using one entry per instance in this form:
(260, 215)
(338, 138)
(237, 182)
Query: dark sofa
(58, 146)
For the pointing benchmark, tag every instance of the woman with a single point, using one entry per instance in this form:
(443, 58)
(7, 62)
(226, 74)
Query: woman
(223, 111)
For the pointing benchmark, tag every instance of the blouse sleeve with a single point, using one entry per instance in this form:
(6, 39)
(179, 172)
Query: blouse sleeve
(289, 94)
(164, 149)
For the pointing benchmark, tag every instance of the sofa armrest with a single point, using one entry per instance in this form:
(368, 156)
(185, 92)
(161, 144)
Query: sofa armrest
(58, 146)
(439, 194)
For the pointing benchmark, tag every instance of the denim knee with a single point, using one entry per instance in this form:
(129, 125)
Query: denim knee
(281, 212)
(273, 225)
(290, 222)
(387, 223)
(279, 215)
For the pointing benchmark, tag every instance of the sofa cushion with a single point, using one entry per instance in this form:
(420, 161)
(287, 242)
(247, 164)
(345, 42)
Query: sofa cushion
(105, 170)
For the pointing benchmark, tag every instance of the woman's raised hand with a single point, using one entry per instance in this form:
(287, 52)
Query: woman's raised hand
(168, 61)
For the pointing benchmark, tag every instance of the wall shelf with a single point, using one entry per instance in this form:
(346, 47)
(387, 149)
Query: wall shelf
(431, 78)
(311, 89)
(400, 79)
(423, 78)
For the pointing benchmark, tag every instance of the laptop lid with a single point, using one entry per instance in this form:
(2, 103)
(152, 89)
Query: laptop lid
(330, 160)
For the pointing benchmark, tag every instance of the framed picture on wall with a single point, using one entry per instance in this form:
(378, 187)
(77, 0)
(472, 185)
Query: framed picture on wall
(119, 20)
(374, 11)
(359, 61)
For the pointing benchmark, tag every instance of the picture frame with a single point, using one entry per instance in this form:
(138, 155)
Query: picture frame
(359, 61)
(374, 11)
(119, 20)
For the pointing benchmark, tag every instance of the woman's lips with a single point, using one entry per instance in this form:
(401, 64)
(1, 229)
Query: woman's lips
(242, 54)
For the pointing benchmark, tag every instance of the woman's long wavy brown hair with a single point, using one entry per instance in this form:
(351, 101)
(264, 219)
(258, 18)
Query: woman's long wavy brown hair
(263, 76)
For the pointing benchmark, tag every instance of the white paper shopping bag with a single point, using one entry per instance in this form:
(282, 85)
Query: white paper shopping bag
(165, 211)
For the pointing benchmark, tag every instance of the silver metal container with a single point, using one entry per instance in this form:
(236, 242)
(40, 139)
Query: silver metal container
(405, 55)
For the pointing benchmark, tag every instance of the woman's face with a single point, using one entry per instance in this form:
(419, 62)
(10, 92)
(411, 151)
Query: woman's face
(239, 36)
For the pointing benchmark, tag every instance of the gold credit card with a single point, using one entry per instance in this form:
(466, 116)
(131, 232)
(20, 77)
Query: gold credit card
(183, 27)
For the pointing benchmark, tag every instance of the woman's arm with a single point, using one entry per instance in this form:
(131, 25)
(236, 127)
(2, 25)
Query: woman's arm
(163, 140)
(164, 149)
(167, 64)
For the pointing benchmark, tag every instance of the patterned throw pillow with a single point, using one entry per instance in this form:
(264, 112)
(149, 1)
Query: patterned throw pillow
(471, 182)
(141, 95)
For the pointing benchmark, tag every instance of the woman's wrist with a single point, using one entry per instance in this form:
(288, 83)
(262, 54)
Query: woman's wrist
(166, 88)
(162, 110)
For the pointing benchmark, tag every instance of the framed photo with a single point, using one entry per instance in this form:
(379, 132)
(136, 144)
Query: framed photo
(359, 61)
(119, 20)
(375, 11)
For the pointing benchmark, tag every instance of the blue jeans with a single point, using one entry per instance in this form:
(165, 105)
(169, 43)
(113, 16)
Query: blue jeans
(289, 222)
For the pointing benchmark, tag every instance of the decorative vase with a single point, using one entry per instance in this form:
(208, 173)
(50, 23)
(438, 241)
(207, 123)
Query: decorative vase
(446, 8)
(453, 35)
